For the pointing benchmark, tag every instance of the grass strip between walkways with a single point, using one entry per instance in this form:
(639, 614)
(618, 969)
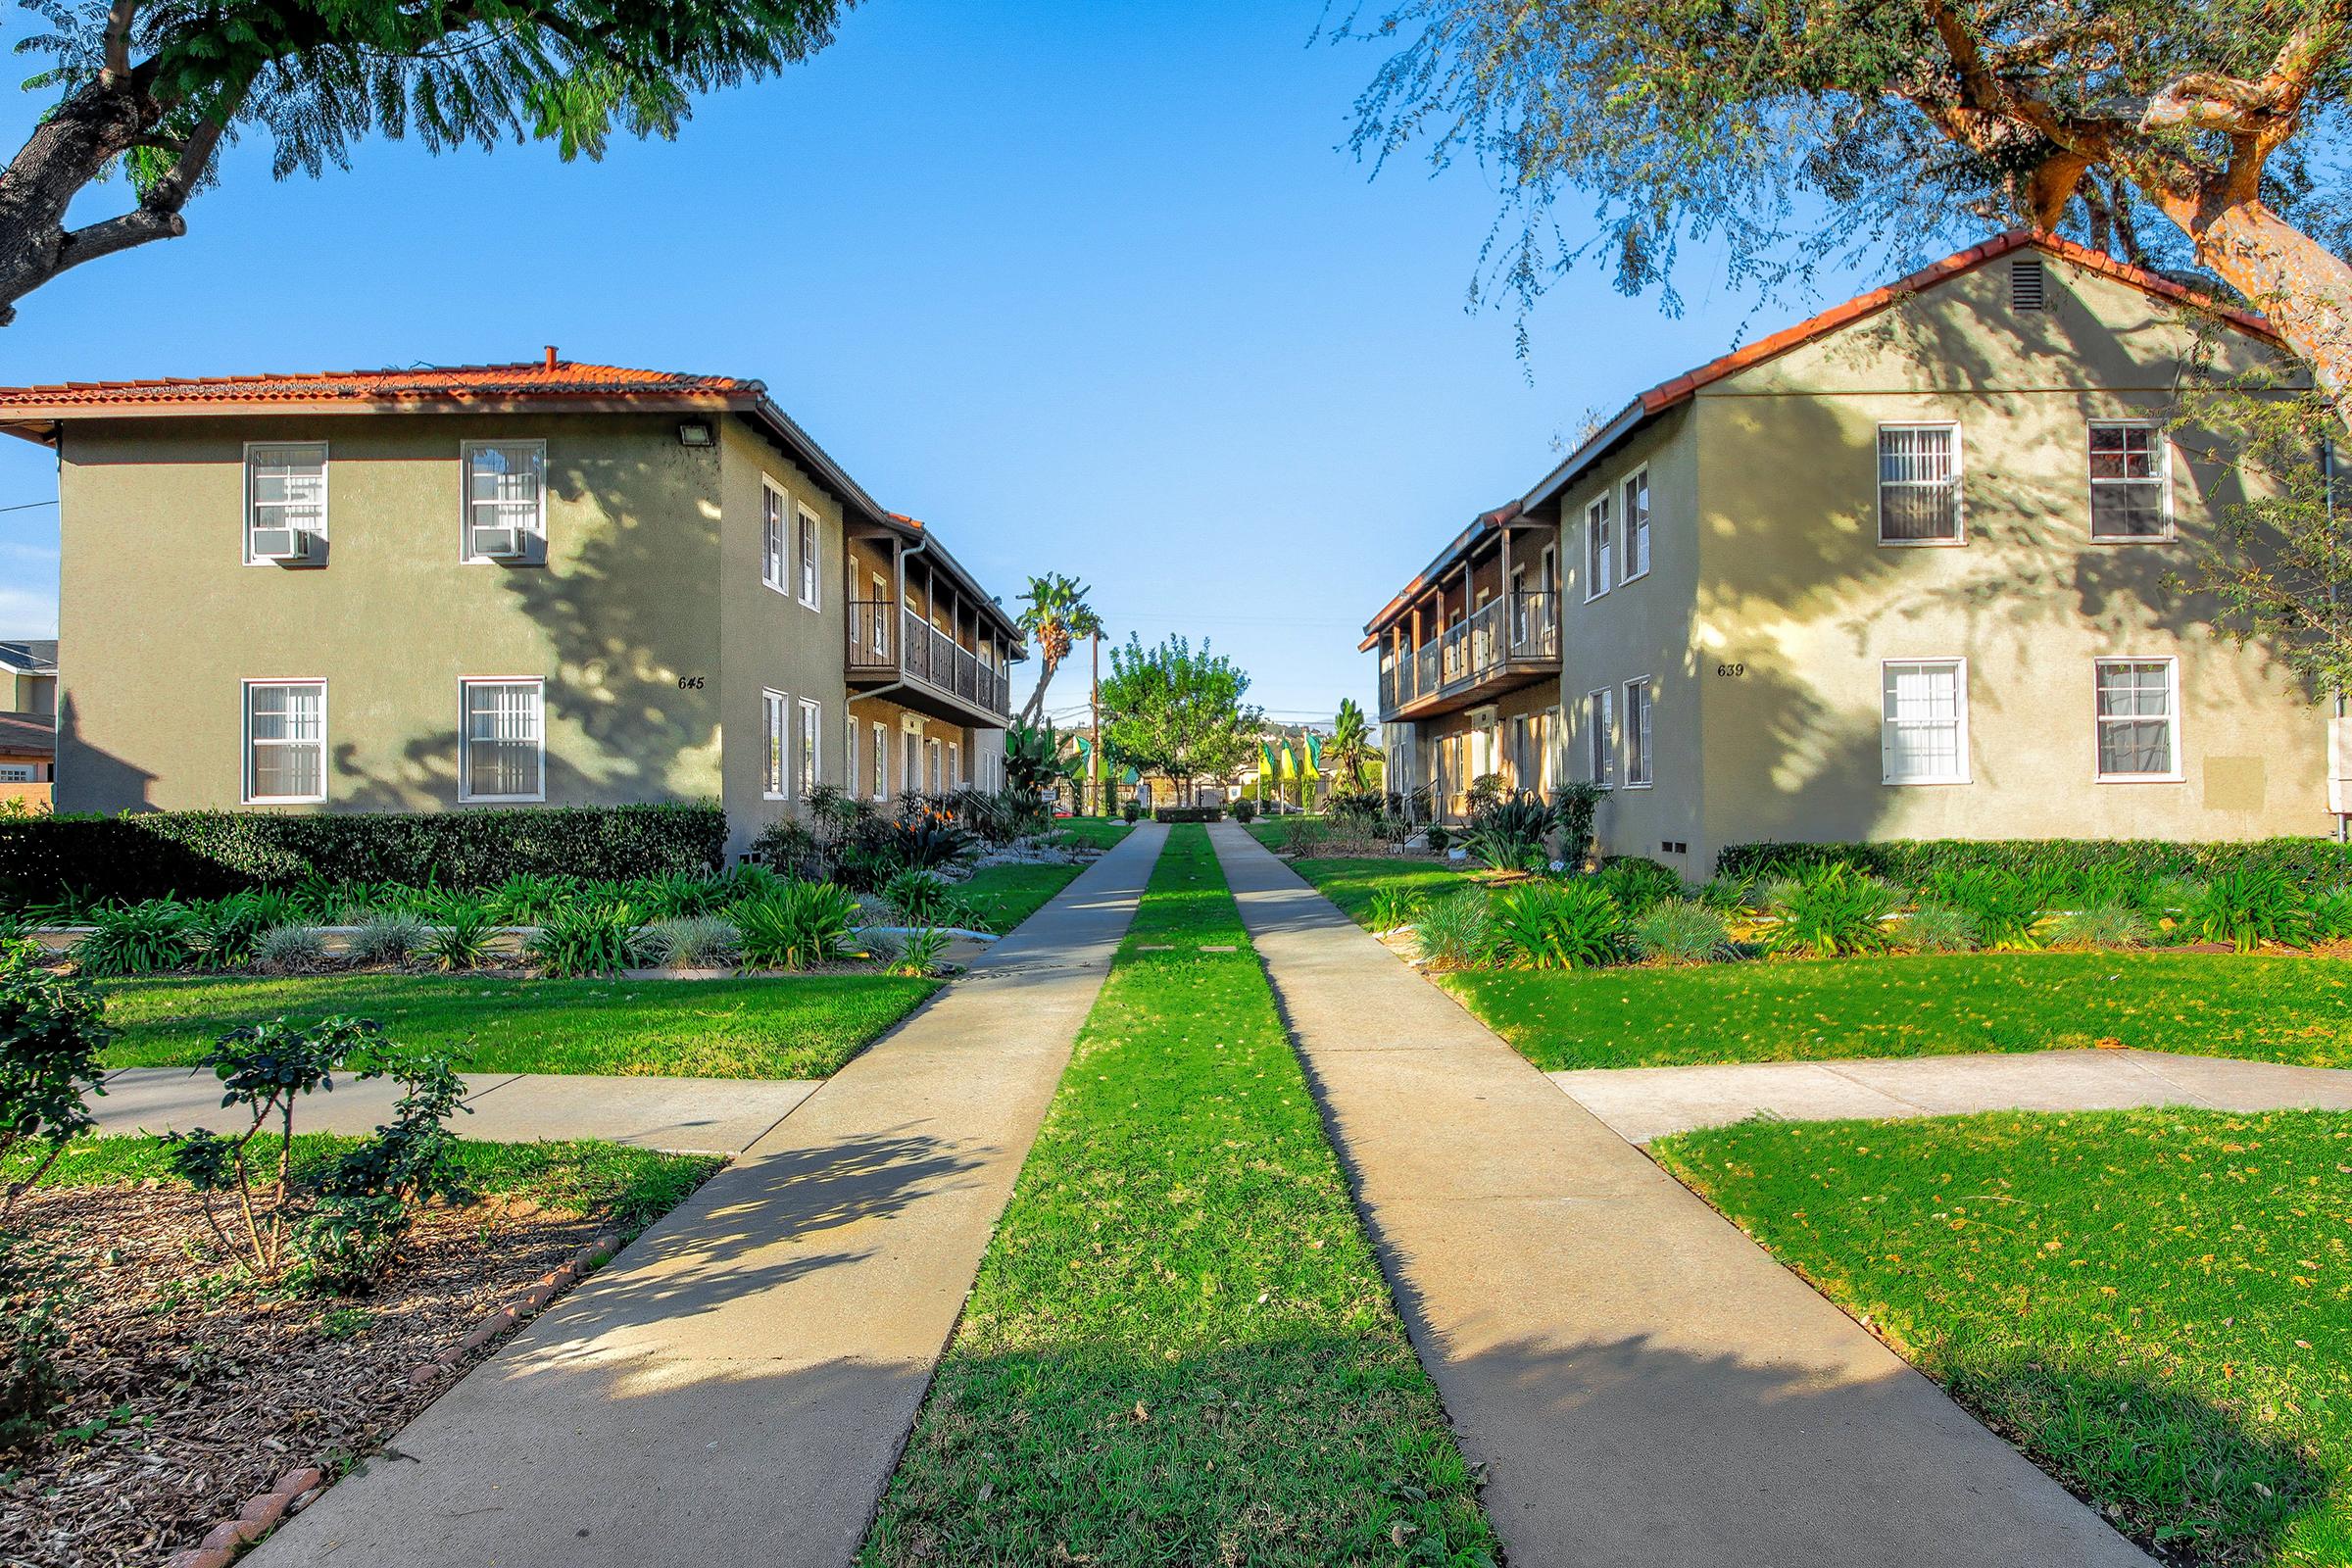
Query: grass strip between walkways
(2155, 1306)
(1180, 1348)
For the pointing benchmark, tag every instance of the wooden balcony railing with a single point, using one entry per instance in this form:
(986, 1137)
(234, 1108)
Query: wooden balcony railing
(887, 639)
(1517, 628)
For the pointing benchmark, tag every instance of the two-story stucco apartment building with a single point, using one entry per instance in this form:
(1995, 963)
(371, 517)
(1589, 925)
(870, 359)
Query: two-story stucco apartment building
(1898, 572)
(548, 582)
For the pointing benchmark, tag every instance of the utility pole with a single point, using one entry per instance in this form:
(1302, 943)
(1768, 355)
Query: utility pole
(1095, 700)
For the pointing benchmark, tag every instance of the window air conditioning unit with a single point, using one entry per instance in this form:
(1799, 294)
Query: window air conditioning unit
(501, 543)
(283, 544)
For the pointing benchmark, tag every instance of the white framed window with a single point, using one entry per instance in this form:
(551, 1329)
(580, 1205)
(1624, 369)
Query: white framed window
(2138, 703)
(881, 739)
(809, 578)
(505, 501)
(285, 741)
(1636, 491)
(931, 760)
(1600, 738)
(1600, 547)
(502, 741)
(1919, 485)
(813, 729)
(1637, 733)
(774, 738)
(954, 765)
(771, 535)
(879, 609)
(2131, 480)
(1548, 742)
(16, 773)
(285, 502)
(850, 777)
(910, 775)
(1922, 722)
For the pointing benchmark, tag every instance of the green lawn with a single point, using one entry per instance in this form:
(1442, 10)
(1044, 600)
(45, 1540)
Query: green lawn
(1180, 1349)
(803, 1027)
(2155, 1306)
(634, 1187)
(1351, 883)
(2268, 1008)
(1100, 832)
(1003, 896)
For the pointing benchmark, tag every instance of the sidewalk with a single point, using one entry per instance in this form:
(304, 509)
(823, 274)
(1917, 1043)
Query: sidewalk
(1644, 1384)
(736, 1386)
(693, 1116)
(1646, 1102)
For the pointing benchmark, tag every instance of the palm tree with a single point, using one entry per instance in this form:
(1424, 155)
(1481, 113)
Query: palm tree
(1053, 614)
(1350, 746)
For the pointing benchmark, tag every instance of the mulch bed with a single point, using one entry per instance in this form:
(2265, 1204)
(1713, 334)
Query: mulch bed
(208, 1392)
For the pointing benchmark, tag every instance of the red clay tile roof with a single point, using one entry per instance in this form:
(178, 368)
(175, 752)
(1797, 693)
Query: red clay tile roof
(27, 735)
(542, 378)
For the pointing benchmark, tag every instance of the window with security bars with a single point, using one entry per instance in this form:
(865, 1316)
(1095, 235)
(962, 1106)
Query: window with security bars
(286, 500)
(506, 500)
(775, 738)
(2128, 481)
(2139, 718)
(1636, 732)
(771, 524)
(1923, 729)
(1919, 484)
(286, 741)
(504, 757)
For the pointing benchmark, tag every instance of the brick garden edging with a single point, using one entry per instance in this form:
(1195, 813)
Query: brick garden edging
(299, 1488)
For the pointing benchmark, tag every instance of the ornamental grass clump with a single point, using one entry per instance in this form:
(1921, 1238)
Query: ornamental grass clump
(1939, 928)
(695, 942)
(2006, 907)
(1457, 931)
(1679, 930)
(1636, 884)
(290, 950)
(149, 936)
(461, 940)
(588, 938)
(387, 939)
(1393, 907)
(1829, 911)
(2105, 925)
(1560, 925)
(2250, 908)
(800, 925)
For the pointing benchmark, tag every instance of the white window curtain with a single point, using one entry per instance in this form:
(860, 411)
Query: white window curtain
(1919, 483)
(286, 741)
(2139, 718)
(504, 757)
(506, 495)
(285, 490)
(1923, 730)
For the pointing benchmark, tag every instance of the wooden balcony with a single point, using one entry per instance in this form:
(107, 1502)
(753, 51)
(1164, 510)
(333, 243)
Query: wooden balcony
(1507, 642)
(892, 644)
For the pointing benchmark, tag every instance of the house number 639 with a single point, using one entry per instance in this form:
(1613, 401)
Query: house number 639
(1731, 671)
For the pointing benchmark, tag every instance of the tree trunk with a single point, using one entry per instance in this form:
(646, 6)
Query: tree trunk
(2303, 287)
(1032, 709)
(60, 159)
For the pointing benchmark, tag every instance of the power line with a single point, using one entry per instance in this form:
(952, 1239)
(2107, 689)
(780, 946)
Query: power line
(28, 506)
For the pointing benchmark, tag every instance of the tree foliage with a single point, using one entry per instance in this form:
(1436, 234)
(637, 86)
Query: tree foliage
(1053, 614)
(1351, 751)
(1178, 712)
(149, 89)
(1792, 133)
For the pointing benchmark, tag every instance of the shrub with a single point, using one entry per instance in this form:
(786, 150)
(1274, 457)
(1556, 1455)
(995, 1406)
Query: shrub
(2331, 918)
(1508, 832)
(224, 933)
(919, 952)
(290, 950)
(144, 938)
(2170, 895)
(1132, 811)
(592, 936)
(2309, 863)
(528, 897)
(924, 898)
(462, 939)
(1731, 892)
(2251, 905)
(52, 1032)
(209, 853)
(1574, 808)
(1938, 928)
(1829, 911)
(1187, 813)
(1681, 930)
(1456, 932)
(2108, 925)
(387, 939)
(1392, 907)
(800, 924)
(2003, 904)
(922, 845)
(1245, 809)
(1301, 837)
(1637, 883)
(1560, 925)
(694, 941)
(1438, 837)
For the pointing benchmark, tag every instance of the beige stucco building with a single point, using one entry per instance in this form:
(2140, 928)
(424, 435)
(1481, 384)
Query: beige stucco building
(1907, 570)
(542, 583)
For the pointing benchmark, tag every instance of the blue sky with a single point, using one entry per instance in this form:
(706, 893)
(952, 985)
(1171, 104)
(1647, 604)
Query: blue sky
(1093, 288)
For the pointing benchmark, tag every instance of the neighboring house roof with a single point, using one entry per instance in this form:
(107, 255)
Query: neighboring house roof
(1678, 390)
(545, 385)
(22, 735)
(29, 656)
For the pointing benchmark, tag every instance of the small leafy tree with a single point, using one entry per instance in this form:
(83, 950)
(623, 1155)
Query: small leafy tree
(52, 1030)
(1177, 712)
(1037, 757)
(358, 1209)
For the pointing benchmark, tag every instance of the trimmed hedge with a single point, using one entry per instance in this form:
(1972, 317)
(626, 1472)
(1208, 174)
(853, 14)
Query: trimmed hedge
(1189, 813)
(2312, 864)
(206, 854)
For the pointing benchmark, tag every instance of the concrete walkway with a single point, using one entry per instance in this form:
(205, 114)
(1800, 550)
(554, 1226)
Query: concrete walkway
(1644, 1384)
(1646, 1102)
(695, 1115)
(736, 1386)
